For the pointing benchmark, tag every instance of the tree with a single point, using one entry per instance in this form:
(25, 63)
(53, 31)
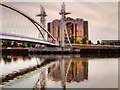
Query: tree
(25, 44)
(15, 43)
(6, 43)
(84, 41)
(78, 42)
(1, 43)
(98, 42)
(9, 43)
(89, 42)
(72, 39)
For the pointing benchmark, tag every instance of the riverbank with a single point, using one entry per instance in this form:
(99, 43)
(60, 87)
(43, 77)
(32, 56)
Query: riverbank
(14, 51)
(75, 49)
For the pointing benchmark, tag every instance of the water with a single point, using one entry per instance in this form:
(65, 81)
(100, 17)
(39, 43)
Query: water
(61, 71)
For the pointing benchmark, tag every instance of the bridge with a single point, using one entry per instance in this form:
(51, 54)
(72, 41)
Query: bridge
(18, 26)
(26, 39)
(13, 28)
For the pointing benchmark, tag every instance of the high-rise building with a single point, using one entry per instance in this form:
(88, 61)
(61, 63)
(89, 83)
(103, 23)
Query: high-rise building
(77, 28)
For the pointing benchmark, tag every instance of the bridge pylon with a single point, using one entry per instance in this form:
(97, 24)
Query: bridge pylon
(42, 16)
(63, 14)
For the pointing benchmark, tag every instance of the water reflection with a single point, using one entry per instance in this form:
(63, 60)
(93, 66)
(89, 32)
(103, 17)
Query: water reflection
(9, 59)
(73, 70)
(10, 64)
(63, 71)
(41, 82)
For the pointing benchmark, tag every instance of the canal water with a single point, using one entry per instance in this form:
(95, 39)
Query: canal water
(60, 71)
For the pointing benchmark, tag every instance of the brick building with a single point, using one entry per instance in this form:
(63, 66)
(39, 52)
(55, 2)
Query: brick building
(78, 28)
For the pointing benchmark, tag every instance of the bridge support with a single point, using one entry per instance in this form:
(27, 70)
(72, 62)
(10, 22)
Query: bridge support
(42, 16)
(63, 14)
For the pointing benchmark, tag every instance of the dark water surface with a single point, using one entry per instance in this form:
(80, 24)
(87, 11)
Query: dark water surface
(71, 71)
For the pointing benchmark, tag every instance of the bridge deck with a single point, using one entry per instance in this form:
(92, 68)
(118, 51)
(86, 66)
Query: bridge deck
(27, 39)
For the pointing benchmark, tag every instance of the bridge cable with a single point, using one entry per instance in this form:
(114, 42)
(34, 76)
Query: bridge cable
(28, 17)
(67, 36)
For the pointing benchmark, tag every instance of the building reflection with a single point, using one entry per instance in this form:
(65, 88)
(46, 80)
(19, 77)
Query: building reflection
(69, 70)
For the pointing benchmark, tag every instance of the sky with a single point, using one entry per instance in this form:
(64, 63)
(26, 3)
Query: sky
(102, 17)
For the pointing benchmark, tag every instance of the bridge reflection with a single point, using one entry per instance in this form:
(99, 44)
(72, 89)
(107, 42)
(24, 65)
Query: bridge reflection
(61, 70)
(66, 70)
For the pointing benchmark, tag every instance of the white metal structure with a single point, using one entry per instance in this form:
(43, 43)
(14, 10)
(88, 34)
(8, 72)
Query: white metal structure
(26, 38)
(63, 30)
(42, 16)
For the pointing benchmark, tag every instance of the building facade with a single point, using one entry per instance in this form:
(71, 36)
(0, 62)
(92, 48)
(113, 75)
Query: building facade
(77, 28)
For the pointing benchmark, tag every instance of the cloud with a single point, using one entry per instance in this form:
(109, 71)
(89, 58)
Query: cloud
(102, 16)
(61, 1)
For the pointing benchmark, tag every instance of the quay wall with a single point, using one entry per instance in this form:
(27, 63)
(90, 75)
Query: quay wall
(14, 51)
(58, 50)
(65, 50)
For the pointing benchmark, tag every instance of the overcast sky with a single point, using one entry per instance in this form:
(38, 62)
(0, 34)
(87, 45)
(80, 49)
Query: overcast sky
(102, 17)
